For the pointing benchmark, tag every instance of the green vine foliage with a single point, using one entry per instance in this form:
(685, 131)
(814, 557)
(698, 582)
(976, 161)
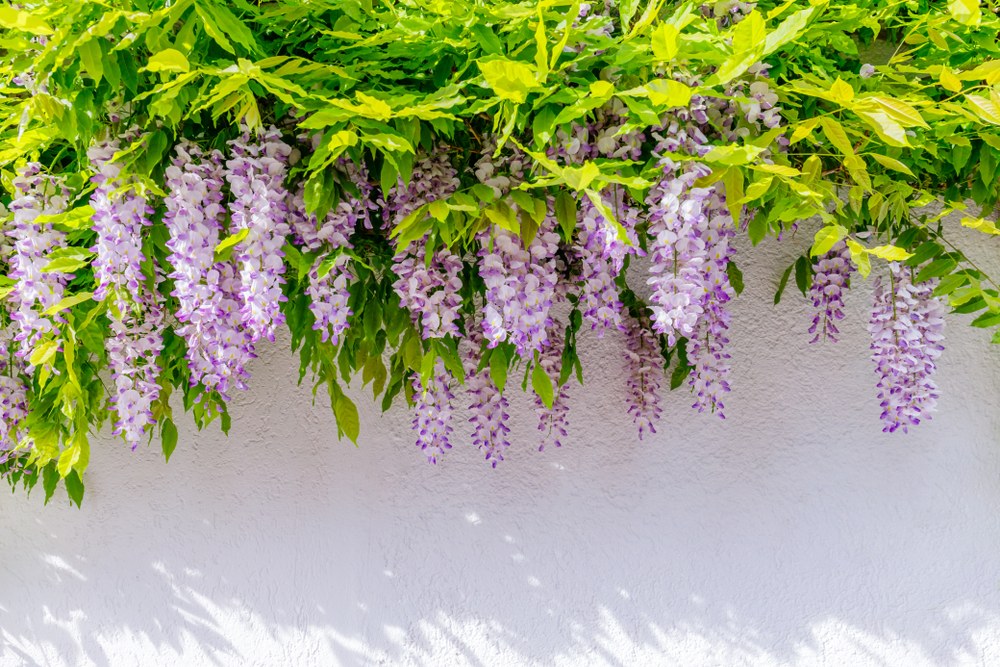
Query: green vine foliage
(888, 107)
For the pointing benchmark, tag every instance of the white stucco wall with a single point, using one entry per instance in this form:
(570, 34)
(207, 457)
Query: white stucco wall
(793, 533)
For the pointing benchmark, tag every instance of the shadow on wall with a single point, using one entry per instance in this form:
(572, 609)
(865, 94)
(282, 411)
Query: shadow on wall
(792, 533)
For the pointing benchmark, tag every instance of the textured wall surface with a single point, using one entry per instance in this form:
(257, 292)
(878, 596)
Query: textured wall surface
(794, 532)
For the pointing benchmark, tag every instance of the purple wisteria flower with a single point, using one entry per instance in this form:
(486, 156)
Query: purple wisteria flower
(644, 363)
(831, 276)
(602, 255)
(35, 289)
(520, 286)
(487, 404)
(329, 293)
(553, 422)
(256, 176)
(907, 330)
(13, 395)
(135, 311)
(520, 281)
(433, 409)
(429, 287)
(707, 347)
(218, 347)
(677, 221)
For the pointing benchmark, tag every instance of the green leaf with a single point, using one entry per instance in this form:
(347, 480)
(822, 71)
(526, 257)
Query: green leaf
(986, 320)
(566, 214)
(75, 218)
(74, 488)
(92, 58)
(68, 302)
(891, 163)
(750, 33)
(168, 438)
(498, 368)
(890, 253)
(803, 275)
(23, 20)
(224, 250)
(936, 269)
(735, 277)
(664, 42)
(827, 237)
(168, 60)
(50, 480)
(542, 384)
(782, 283)
(347, 417)
(859, 255)
(965, 11)
(510, 79)
(788, 30)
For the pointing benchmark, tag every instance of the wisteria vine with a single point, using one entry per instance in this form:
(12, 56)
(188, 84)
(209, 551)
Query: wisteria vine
(444, 209)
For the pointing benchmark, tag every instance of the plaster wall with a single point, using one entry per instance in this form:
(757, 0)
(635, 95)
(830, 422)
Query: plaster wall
(794, 532)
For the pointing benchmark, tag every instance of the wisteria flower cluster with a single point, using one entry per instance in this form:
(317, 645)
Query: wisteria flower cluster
(135, 311)
(36, 288)
(907, 330)
(831, 278)
(209, 307)
(428, 284)
(256, 175)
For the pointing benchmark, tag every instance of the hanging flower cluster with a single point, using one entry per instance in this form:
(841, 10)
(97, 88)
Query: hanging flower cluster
(907, 329)
(256, 175)
(13, 396)
(831, 277)
(135, 313)
(644, 363)
(487, 405)
(37, 288)
(207, 292)
(427, 286)
(433, 411)
(330, 276)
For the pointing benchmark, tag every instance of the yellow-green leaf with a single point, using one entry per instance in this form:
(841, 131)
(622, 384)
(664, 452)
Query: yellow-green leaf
(891, 163)
(949, 81)
(788, 30)
(827, 237)
(372, 107)
(224, 250)
(68, 302)
(44, 353)
(510, 79)
(841, 92)
(664, 42)
(23, 20)
(859, 255)
(984, 108)
(168, 60)
(981, 224)
(664, 93)
(891, 253)
(750, 34)
(803, 130)
(836, 135)
(965, 11)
